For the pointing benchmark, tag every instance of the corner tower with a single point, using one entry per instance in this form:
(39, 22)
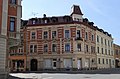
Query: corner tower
(76, 13)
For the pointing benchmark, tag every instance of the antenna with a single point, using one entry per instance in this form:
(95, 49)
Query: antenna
(34, 14)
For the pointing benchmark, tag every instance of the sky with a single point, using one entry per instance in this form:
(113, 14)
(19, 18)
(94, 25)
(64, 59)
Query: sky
(104, 13)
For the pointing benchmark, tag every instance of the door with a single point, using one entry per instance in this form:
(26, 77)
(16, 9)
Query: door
(79, 63)
(54, 63)
(33, 65)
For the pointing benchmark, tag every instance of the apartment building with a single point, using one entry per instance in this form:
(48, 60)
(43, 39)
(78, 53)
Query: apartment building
(10, 15)
(117, 55)
(104, 49)
(60, 42)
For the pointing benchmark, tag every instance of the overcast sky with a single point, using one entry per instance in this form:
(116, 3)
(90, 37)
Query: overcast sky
(104, 13)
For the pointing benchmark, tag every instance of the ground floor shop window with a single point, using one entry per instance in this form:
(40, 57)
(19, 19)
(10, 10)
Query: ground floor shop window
(68, 63)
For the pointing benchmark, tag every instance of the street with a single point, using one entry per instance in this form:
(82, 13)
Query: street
(96, 74)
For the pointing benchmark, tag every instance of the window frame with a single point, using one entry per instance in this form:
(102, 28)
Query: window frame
(13, 2)
(67, 47)
(67, 33)
(12, 24)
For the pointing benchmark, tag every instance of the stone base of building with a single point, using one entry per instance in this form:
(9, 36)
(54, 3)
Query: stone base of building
(4, 75)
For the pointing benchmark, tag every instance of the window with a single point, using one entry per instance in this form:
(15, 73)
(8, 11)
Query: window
(45, 21)
(98, 49)
(45, 48)
(101, 40)
(109, 52)
(45, 35)
(67, 63)
(98, 60)
(111, 43)
(106, 61)
(92, 37)
(79, 47)
(108, 43)
(102, 50)
(103, 61)
(106, 51)
(116, 52)
(86, 48)
(112, 53)
(92, 49)
(33, 21)
(67, 47)
(33, 35)
(86, 35)
(105, 42)
(13, 1)
(78, 34)
(97, 38)
(54, 48)
(53, 34)
(47, 63)
(67, 34)
(19, 50)
(113, 62)
(12, 24)
(33, 48)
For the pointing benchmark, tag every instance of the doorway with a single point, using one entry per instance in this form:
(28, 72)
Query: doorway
(54, 63)
(79, 63)
(33, 65)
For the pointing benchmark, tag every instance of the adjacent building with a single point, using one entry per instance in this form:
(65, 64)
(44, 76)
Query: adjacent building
(117, 55)
(104, 49)
(10, 18)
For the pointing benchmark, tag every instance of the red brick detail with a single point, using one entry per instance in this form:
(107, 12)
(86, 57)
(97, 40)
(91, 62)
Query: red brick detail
(83, 33)
(28, 35)
(40, 47)
(58, 46)
(50, 44)
(49, 33)
(72, 46)
(60, 32)
(73, 31)
(62, 47)
(39, 34)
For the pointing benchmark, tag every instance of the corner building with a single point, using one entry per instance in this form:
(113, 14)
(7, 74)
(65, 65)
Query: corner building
(10, 16)
(63, 42)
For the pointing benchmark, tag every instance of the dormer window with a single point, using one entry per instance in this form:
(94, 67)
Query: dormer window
(45, 21)
(33, 22)
(78, 19)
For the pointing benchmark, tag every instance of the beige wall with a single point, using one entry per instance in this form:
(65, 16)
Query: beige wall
(104, 56)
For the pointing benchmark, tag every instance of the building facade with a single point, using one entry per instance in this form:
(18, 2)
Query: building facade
(10, 15)
(117, 55)
(65, 42)
(104, 49)
(68, 42)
